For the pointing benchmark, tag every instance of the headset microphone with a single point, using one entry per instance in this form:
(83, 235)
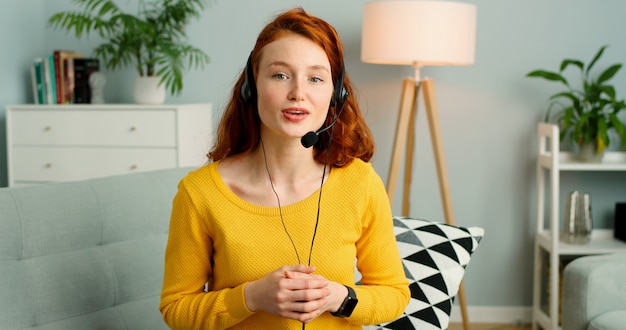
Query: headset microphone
(310, 139)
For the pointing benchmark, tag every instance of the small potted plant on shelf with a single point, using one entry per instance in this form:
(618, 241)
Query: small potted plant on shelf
(153, 40)
(588, 112)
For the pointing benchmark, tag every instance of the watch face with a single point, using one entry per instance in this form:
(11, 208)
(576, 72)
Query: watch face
(349, 306)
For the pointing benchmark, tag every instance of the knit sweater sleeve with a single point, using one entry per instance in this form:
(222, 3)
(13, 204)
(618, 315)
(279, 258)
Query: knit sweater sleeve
(378, 260)
(184, 302)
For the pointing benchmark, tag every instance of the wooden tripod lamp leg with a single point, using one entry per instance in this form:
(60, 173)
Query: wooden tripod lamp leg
(407, 106)
(437, 142)
(405, 128)
(408, 159)
(428, 89)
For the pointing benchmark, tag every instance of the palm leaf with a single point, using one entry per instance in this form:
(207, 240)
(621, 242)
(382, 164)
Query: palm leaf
(153, 40)
(609, 73)
(595, 59)
(591, 112)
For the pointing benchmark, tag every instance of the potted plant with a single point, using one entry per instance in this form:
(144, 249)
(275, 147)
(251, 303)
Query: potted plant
(153, 40)
(586, 113)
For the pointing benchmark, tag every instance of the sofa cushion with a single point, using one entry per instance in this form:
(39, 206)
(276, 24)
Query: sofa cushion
(86, 254)
(593, 286)
(434, 256)
(139, 314)
(608, 321)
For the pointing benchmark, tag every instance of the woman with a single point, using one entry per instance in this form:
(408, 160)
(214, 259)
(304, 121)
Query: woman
(273, 227)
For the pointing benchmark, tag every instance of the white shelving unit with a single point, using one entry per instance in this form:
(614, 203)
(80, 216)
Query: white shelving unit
(548, 247)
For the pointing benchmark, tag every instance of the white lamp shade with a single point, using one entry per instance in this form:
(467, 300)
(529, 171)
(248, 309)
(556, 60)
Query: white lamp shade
(419, 33)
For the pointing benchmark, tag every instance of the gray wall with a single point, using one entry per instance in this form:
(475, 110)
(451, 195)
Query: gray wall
(21, 40)
(488, 111)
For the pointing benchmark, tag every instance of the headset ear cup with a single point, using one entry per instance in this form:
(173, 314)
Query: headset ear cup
(245, 91)
(248, 88)
(343, 95)
(339, 93)
(339, 96)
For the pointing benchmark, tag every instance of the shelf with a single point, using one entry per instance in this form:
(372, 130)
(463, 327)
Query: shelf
(612, 161)
(549, 249)
(602, 241)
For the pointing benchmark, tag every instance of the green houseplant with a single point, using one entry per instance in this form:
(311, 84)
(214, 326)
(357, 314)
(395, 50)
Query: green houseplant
(153, 40)
(586, 113)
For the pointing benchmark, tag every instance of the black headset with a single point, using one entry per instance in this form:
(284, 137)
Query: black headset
(248, 88)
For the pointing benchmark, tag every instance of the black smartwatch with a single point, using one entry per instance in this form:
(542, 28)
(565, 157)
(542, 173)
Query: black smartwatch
(348, 304)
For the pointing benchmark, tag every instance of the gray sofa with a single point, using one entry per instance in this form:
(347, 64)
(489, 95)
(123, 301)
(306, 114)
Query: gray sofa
(85, 255)
(594, 293)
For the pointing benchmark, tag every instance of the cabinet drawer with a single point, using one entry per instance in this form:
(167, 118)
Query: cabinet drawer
(46, 164)
(94, 128)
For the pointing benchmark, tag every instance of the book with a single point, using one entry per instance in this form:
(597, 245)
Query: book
(59, 71)
(83, 68)
(52, 78)
(33, 78)
(40, 95)
(49, 82)
(68, 80)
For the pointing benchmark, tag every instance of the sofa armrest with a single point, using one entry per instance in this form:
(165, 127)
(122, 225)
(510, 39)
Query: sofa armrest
(593, 285)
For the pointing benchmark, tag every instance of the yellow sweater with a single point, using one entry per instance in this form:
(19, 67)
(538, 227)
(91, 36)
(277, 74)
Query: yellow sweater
(218, 238)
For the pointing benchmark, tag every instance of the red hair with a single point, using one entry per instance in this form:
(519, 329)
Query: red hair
(240, 126)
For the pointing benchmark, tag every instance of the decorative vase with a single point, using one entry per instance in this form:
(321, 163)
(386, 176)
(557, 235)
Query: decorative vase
(588, 153)
(577, 220)
(148, 91)
(97, 80)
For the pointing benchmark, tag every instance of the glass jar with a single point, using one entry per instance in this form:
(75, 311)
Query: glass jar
(577, 219)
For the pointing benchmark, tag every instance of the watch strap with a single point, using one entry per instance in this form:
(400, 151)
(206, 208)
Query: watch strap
(348, 304)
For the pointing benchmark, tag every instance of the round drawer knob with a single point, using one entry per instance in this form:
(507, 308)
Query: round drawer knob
(134, 167)
(133, 128)
(48, 165)
(47, 128)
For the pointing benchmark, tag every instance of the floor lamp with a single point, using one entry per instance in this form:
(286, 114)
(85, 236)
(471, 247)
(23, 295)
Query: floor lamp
(419, 33)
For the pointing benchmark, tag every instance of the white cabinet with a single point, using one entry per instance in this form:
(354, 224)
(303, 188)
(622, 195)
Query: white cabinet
(550, 251)
(47, 143)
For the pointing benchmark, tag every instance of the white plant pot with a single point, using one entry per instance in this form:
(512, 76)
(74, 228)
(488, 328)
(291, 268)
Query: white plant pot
(148, 91)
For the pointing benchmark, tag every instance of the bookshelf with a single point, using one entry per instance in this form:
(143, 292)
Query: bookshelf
(550, 253)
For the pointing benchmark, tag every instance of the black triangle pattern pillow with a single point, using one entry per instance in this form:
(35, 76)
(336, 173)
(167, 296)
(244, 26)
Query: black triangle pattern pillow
(434, 256)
